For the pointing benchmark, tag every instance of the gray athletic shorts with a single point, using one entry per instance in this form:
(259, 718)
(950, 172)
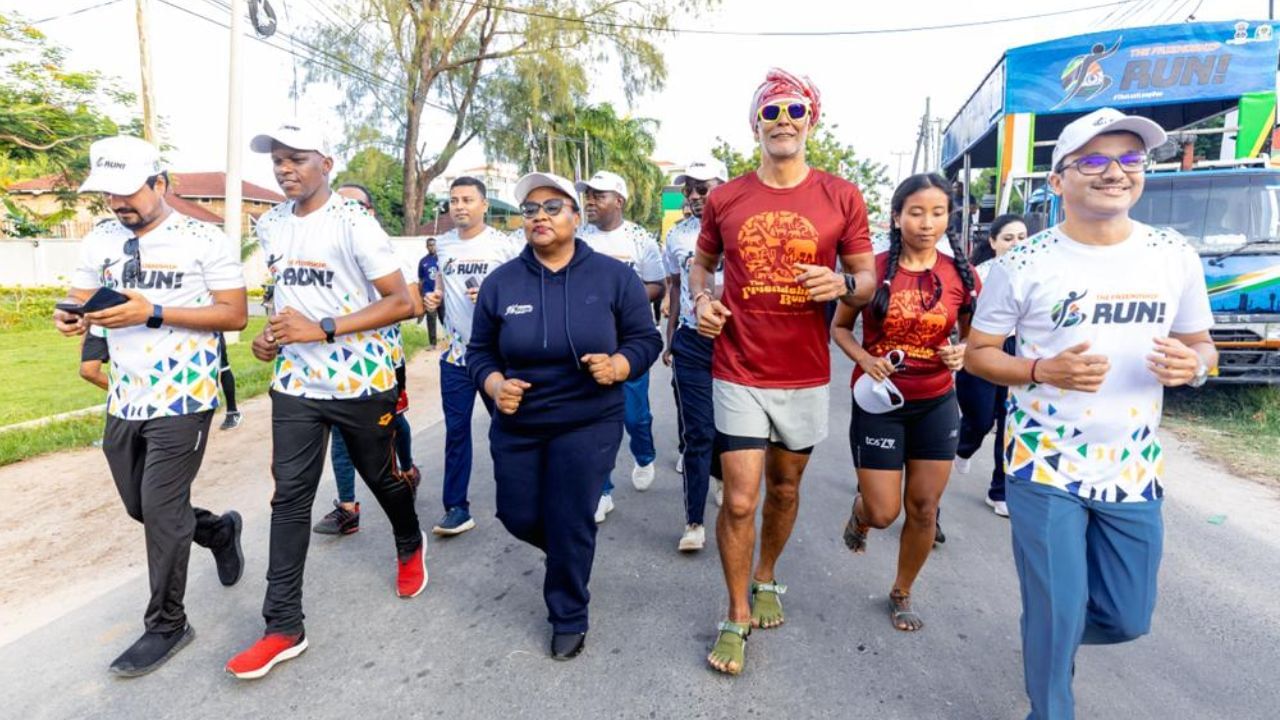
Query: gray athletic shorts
(747, 417)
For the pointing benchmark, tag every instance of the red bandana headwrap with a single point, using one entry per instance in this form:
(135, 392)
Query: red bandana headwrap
(782, 85)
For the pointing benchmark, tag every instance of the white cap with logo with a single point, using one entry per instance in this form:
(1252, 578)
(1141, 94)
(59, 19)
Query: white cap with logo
(294, 134)
(121, 165)
(535, 180)
(1079, 132)
(604, 181)
(702, 170)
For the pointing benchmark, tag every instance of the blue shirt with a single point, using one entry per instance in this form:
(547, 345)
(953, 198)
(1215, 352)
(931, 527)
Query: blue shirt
(428, 266)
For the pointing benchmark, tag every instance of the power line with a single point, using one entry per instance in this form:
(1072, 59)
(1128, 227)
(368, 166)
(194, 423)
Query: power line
(75, 12)
(779, 33)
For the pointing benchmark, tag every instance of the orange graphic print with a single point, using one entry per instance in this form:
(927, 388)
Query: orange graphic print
(909, 326)
(771, 243)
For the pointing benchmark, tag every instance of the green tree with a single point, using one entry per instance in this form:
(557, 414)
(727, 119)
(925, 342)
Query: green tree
(825, 151)
(49, 115)
(383, 175)
(494, 68)
(589, 138)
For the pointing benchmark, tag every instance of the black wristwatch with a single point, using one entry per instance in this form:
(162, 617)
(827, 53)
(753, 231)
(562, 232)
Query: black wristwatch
(157, 317)
(850, 284)
(329, 327)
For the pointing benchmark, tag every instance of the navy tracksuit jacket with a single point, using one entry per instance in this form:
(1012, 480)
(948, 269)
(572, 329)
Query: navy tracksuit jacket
(551, 457)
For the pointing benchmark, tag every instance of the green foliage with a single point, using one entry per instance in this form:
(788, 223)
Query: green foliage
(49, 115)
(496, 69)
(77, 432)
(23, 308)
(823, 150)
(596, 136)
(383, 175)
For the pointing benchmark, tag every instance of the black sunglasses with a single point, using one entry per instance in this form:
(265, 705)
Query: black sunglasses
(133, 266)
(529, 209)
(702, 189)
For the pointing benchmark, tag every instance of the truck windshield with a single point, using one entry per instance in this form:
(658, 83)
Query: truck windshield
(1215, 213)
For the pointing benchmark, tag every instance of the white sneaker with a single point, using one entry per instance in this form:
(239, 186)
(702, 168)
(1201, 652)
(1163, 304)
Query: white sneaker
(999, 507)
(642, 476)
(694, 538)
(962, 465)
(680, 463)
(604, 508)
(718, 491)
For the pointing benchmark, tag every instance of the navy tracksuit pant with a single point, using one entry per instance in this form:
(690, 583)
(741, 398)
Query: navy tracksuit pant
(458, 398)
(549, 481)
(691, 365)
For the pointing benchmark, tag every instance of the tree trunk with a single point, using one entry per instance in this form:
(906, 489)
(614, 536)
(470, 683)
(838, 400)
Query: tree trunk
(413, 196)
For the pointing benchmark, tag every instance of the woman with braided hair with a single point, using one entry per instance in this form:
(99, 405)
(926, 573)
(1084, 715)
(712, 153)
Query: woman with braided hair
(904, 410)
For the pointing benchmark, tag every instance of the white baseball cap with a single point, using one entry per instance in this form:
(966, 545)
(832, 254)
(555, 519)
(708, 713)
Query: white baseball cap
(535, 180)
(294, 134)
(1106, 120)
(604, 181)
(877, 396)
(703, 169)
(121, 165)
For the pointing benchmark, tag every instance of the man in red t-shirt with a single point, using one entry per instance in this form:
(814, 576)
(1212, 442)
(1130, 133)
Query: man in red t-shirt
(779, 230)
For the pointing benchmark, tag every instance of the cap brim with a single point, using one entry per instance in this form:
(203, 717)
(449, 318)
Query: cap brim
(114, 183)
(869, 397)
(535, 180)
(685, 177)
(262, 143)
(1153, 136)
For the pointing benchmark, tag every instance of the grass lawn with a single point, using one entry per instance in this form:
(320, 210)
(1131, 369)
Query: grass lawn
(1238, 426)
(41, 373)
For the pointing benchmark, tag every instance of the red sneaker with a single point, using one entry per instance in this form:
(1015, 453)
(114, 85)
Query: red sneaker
(265, 654)
(412, 577)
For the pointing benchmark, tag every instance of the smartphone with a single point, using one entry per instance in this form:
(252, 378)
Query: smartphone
(472, 283)
(70, 307)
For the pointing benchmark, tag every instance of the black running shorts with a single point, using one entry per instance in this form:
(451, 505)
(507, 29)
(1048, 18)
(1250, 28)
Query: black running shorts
(919, 430)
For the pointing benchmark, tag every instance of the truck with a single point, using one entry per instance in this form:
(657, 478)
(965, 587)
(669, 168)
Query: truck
(1198, 80)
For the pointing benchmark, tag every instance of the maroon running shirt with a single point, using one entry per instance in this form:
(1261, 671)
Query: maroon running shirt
(777, 337)
(917, 325)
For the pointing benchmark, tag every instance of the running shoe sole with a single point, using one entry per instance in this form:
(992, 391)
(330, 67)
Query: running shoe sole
(237, 524)
(280, 657)
(425, 576)
(450, 532)
(187, 637)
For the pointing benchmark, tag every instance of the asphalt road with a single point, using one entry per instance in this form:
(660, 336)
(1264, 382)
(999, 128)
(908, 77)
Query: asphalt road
(474, 644)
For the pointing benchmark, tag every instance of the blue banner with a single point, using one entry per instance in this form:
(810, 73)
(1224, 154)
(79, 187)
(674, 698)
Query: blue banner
(978, 115)
(1142, 66)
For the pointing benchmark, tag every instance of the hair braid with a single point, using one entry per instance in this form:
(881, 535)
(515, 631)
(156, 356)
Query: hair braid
(966, 273)
(880, 301)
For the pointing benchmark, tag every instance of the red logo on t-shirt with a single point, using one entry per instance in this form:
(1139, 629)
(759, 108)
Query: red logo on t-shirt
(771, 243)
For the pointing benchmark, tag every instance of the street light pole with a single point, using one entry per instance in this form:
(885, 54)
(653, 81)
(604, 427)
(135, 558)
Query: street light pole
(231, 214)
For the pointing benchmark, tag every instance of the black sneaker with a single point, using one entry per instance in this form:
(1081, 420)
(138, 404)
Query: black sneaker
(231, 421)
(567, 646)
(150, 652)
(938, 536)
(229, 557)
(455, 522)
(340, 521)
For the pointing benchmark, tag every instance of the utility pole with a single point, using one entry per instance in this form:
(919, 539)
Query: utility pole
(235, 141)
(551, 154)
(144, 60)
(899, 154)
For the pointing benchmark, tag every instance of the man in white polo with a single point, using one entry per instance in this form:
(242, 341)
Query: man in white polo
(604, 199)
(184, 286)
(1108, 312)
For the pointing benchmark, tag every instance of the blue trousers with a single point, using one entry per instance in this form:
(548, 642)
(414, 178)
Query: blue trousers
(691, 363)
(638, 420)
(344, 472)
(1087, 571)
(983, 404)
(549, 481)
(458, 398)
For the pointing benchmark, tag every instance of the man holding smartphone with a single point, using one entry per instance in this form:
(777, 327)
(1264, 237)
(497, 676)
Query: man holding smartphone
(465, 256)
(172, 284)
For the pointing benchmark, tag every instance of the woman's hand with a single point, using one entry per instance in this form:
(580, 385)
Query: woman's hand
(606, 369)
(509, 395)
(878, 368)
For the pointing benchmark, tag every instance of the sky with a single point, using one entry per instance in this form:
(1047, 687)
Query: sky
(874, 87)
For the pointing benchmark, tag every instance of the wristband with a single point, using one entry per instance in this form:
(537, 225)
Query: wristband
(1033, 370)
(701, 294)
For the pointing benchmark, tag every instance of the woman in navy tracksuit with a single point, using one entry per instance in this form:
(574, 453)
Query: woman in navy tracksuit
(556, 333)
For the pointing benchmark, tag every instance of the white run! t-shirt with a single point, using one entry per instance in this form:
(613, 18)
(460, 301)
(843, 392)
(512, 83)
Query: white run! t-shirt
(680, 249)
(322, 266)
(1053, 293)
(395, 338)
(468, 261)
(628, 243)
(170, 370)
